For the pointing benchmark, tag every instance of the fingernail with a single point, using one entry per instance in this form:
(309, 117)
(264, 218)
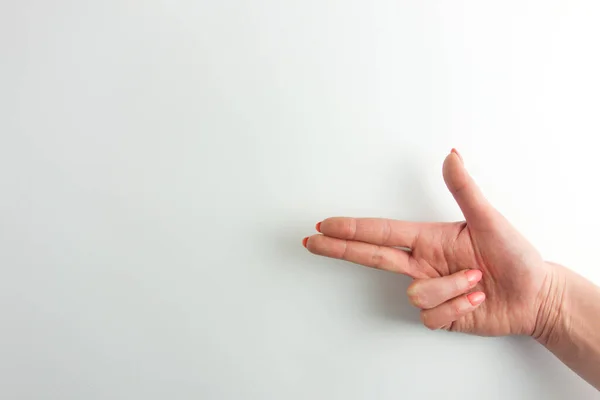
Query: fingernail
(476, 298)
(458, 154)
(473, 276)
(304, 241)
(318, 227)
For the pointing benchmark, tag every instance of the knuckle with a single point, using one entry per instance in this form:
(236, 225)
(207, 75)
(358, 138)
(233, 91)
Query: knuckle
(344, 252)
(427, 322)
(378, 259)
(456, 308)
(459, 283)
(413, 294)
(348, 228)
(386, 233)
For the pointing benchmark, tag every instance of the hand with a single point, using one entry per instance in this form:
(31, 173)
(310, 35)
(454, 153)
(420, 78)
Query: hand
(479, 276)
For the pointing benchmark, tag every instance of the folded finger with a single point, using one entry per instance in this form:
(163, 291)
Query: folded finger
(445, 314)
(429, 293)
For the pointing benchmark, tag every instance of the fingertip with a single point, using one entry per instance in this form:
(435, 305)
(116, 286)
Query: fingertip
(318, 227)
(452, 165)
(305, 242)
(473, 276)
(458, 154)
(476, 298)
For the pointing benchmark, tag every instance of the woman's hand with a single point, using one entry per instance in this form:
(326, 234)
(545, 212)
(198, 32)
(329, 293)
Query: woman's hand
(480, 276)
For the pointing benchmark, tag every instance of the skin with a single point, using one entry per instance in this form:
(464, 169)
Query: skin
(479, 276)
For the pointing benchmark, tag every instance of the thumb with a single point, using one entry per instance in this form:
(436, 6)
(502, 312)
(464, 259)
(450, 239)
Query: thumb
(477, 210)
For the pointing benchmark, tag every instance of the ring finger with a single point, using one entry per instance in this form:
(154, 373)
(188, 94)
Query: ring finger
(429, 293)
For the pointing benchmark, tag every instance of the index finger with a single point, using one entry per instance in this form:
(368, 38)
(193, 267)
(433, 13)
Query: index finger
(380, 231)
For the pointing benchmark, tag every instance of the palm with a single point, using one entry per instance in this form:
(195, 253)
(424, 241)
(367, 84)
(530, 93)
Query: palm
(444, 259)
(510, 266)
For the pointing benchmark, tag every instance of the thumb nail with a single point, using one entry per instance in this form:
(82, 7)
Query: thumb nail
(458, 154)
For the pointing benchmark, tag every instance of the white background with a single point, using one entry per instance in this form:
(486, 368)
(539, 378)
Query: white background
(160, 162)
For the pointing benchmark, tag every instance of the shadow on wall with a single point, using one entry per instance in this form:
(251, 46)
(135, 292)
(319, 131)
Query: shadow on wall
(385, 297)
(384, 292)
(416, 202)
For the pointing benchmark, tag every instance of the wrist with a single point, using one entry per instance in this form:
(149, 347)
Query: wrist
(552, 316)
